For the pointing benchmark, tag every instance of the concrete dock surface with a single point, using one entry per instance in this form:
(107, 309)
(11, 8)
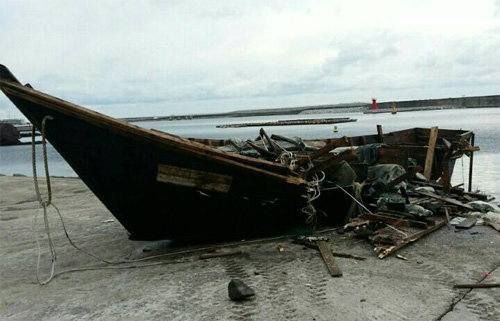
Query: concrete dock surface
(293, 284)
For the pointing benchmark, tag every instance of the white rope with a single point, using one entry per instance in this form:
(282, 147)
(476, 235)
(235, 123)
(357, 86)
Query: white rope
(287, 158)
(43, 204)
(354, 198)
(313, 193)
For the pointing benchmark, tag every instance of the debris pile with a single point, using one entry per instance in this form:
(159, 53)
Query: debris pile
(390, 189)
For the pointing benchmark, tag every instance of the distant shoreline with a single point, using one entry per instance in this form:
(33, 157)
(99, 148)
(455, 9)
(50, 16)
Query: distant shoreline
(492, 101)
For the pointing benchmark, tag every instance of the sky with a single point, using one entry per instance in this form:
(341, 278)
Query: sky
(143, 58)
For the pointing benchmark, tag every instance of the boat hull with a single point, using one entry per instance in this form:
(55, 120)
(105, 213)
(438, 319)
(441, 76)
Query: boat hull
(161, 186)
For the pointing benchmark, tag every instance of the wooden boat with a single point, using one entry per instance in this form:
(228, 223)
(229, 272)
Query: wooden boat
(160, 185)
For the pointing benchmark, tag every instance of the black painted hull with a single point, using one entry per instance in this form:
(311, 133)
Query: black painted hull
(121, 169)
(120, 163)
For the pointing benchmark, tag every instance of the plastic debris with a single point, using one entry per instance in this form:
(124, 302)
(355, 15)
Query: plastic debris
(484, 206)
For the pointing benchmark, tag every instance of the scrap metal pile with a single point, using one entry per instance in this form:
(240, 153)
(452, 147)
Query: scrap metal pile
(390, 189)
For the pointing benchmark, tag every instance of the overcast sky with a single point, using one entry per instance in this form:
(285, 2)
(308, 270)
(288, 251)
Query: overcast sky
(129, 58)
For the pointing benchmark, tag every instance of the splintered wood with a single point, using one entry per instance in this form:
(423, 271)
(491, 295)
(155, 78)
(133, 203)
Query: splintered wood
(410, 235)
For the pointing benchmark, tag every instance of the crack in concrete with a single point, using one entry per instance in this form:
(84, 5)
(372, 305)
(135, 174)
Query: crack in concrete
(462, 296)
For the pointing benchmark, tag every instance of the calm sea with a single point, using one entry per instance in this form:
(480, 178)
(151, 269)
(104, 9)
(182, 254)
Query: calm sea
(484, 122)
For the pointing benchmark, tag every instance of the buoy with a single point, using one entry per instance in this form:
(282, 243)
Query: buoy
(335, 130)
(393, 109)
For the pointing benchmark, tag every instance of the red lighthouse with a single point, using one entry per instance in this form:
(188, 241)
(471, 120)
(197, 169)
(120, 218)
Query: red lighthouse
(374, 104)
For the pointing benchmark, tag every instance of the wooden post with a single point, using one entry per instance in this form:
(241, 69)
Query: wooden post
(430, 153)
(380, 134)
(446, 172)
(471, 162)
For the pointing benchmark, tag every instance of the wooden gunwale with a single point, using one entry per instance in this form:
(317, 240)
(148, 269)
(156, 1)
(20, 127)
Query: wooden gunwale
(120, 127)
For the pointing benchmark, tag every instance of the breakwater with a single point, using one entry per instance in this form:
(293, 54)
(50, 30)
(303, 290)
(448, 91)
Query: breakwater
(291, 122)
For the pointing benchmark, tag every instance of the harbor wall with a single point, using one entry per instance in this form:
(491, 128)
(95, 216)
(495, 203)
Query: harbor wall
(459, 102)
(454, 102)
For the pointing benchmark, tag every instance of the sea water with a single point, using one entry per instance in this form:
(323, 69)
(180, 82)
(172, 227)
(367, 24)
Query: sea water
(484, 122)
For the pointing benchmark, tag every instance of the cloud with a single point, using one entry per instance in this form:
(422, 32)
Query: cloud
(193, 57)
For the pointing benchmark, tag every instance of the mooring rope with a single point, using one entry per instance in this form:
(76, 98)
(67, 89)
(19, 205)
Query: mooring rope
(43, 204)
(314, 189)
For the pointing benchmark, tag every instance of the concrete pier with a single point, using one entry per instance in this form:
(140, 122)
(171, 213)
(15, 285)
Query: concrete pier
(290, 284)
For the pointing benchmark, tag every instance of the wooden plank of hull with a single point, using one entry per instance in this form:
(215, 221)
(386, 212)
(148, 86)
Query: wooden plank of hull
(194, 178)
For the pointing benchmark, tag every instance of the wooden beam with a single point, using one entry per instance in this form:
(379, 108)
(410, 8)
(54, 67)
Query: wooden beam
(326, 253)
(342, 141)
(430, 153)
(446, 199)
(333, 160)
(410, 239)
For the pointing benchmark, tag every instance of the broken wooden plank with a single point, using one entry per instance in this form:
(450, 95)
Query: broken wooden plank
(446, 199)
(194, 178)
(331, 161)
(477, 286)
(394, 221)
(355, 222)
(447, 215)
(339, 142)
(455, 190)
(348, 256)
(326, 253)
(262, 151)
(410, 239)
(277, 149)
(313, 245)
(430, 153)
(219, 254)
(496, 226)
